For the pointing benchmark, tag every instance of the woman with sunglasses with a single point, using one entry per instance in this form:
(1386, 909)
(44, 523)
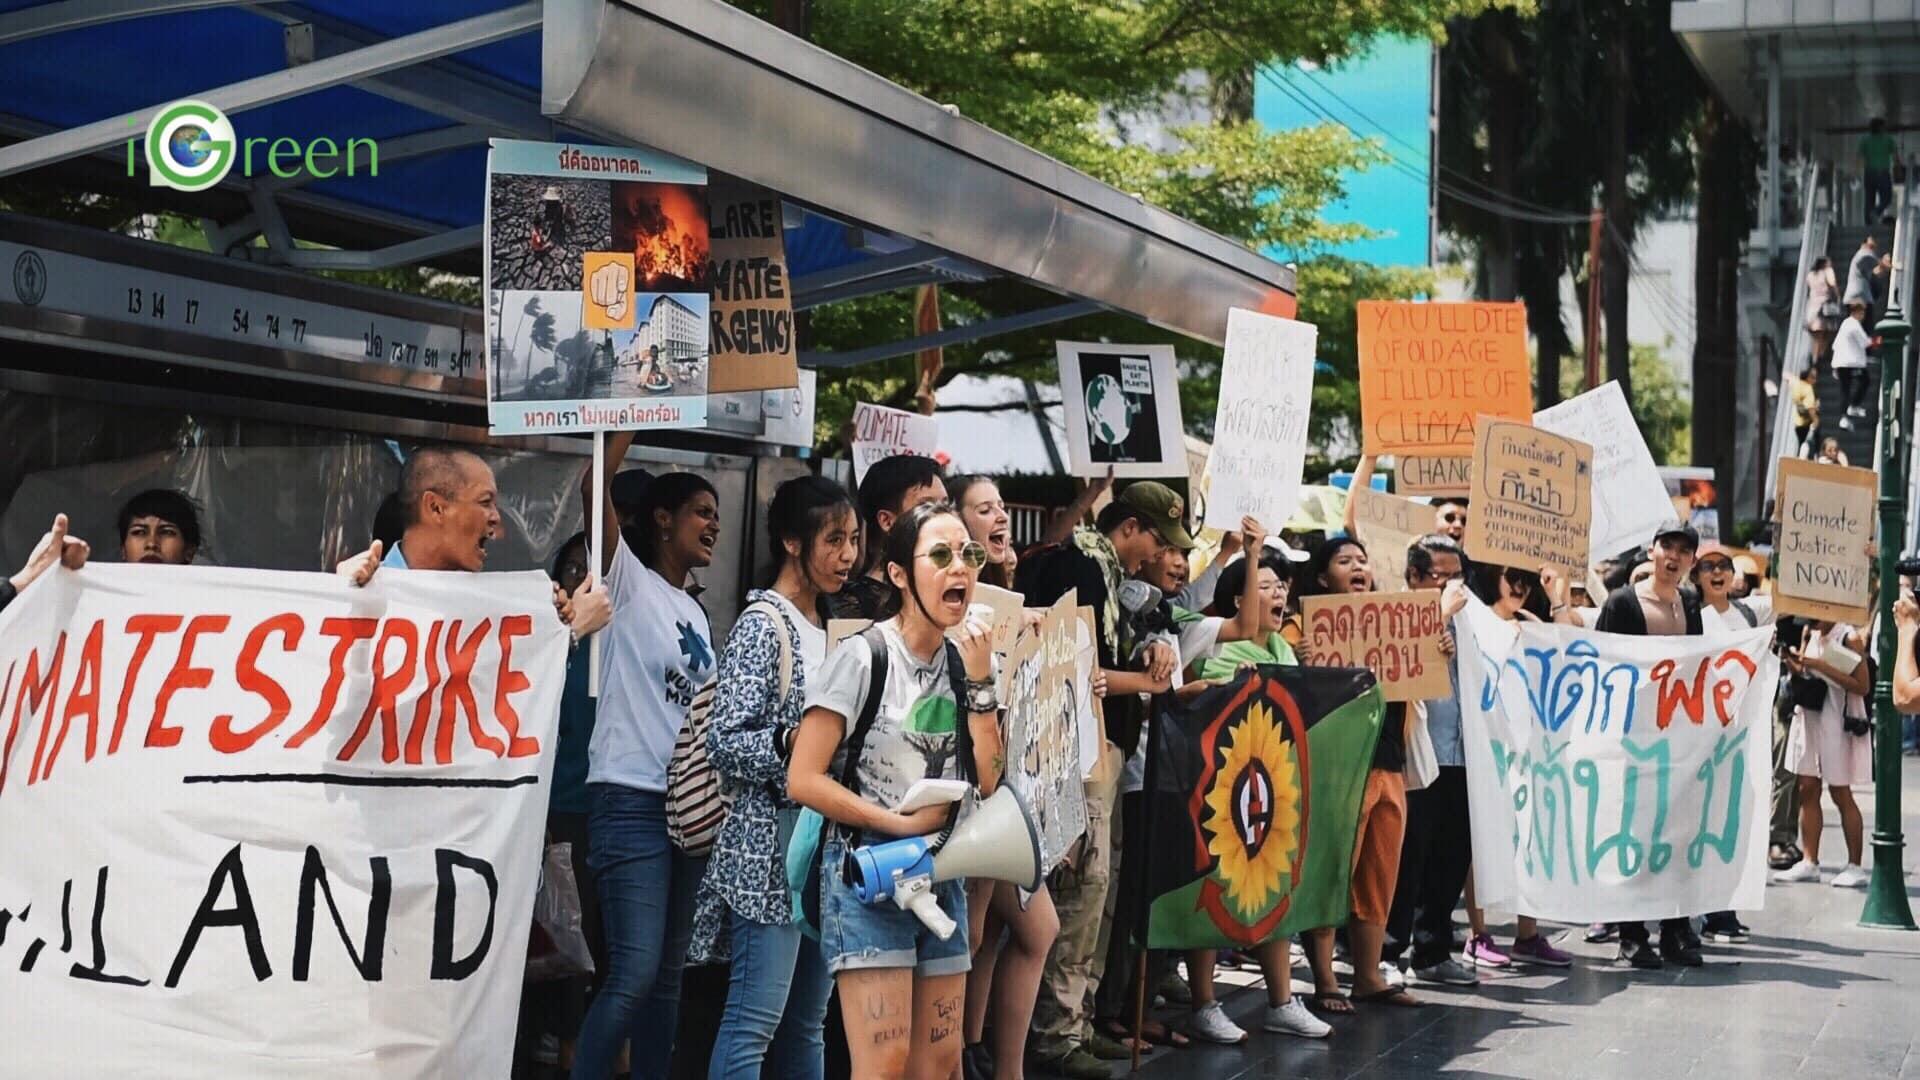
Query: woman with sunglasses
(1717, 580)
(902, 989)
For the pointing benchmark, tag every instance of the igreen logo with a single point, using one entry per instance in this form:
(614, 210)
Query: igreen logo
(189, 146)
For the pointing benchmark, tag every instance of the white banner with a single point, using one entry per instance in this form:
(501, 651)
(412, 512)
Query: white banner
(1260, 425)
(1627, 506)
(263, 824)
(1616, 778)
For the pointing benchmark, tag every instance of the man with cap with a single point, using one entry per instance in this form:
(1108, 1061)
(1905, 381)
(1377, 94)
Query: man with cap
(1657, 605)
(1140, 523)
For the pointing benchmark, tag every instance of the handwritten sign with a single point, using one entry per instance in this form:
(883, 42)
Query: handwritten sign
(1426, 370)
(1260, 423)
(1122, 405)
(1627, 489)
(263, 823)
(1009, 613)
(1826, 522)
(751, 320)
(1416, 474)
(880, 432)
(1395, 634)
(1532, 499)
(1093, 715)
(1389, 525)
(1044, 701)
(1612, 777)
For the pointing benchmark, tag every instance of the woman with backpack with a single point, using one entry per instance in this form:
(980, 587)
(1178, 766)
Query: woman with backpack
(656, 655)
(778, 986)
(1720, 612)
(896, 704)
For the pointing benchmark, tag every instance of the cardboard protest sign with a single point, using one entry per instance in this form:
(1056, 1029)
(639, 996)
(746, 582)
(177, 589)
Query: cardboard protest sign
(1123, 410)
(881, 432)
(1427, 369)
(596, 265)
(1628, 503)
(1826, 522)
(1389, 525)
(1044, 702)
(1093, 715)
(1260, 425)
(751, 328)
(1532, 498)
(1612, 777)
(256, 823)
(839, 630)
(1009, 613)
(1415, 474)
(1397, 635)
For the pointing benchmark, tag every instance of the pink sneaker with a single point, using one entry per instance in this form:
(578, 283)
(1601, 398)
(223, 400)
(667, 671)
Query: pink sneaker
(1482, 952)
(1538, 950)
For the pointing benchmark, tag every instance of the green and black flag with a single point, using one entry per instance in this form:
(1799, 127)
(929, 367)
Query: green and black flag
(1254, 793)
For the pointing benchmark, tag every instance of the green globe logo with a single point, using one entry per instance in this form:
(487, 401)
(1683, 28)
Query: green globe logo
(189, 146)
(1110, 411)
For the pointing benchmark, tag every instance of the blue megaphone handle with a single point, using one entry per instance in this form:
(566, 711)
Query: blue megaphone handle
(878, 866)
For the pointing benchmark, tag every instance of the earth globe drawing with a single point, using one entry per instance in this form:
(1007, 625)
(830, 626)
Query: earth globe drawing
(189, 146)
(1110, 412)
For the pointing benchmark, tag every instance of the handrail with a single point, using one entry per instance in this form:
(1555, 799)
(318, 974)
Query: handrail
(1813, 243)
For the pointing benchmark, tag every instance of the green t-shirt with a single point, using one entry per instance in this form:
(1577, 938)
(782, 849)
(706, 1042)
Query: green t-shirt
(1877, 152)
(1223, 664)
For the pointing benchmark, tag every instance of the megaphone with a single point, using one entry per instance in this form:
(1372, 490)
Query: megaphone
(998, 840)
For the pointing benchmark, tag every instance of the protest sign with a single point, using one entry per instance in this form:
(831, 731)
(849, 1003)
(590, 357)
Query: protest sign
(1612, 777)
(1826, 523)
(1253, 795)
(1260, 425)
(256, 823)
(1396, 635)
(596, 263)
(839, 630)
(1532, 499)
(751, 328)
(880, 432)
(1093, 716)
(1123, 410)
(1427, 369)
(1389, 525)
(1627, 490)
(1044, 704)
(1009, 613)
(1416, 474)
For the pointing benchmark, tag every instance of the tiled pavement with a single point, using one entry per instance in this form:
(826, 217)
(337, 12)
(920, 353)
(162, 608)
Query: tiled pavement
(1813, 994)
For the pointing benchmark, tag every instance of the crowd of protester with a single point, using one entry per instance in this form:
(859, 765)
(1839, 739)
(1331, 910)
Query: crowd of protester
(1045, 981)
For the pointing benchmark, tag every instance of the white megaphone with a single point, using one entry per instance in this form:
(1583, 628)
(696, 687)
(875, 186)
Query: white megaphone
(998, 840)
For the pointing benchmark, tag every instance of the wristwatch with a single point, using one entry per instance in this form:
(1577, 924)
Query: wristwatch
(981, 697)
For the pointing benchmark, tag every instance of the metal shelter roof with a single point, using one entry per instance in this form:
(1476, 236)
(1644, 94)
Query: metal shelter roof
(884, 189)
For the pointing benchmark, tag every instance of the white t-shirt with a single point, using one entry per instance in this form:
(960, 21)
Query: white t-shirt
(1713, 622)
(1850, 344)
(657, 654)
(915, 730)
(813, 639)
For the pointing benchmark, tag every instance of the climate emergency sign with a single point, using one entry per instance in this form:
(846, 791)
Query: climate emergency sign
(265, 824)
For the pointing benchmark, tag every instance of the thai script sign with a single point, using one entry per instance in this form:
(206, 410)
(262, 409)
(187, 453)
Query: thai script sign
(1396, 635)
(1532, 499)
(1627, 489)
(1260, 425)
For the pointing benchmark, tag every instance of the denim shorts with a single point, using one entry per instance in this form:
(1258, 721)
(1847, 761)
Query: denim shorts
(856, 936)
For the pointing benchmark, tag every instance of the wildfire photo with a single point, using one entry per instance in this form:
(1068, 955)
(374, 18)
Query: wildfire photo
(665, 225)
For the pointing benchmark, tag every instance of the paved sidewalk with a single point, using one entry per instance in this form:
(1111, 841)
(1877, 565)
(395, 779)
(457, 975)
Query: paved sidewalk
(1813, 994)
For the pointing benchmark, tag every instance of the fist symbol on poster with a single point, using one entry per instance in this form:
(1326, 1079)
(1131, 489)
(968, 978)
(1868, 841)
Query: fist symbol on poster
(610, 288)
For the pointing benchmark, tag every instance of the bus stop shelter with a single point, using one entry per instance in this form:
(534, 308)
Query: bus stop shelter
(283, 400)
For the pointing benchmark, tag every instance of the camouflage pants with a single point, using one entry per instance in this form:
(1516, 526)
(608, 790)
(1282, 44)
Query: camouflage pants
(1063, 1013)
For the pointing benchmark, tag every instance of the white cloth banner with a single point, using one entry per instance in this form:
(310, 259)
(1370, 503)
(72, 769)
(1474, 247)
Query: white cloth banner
(265, 824)
(1627, 489)
(1260, 426)
(1612, 777)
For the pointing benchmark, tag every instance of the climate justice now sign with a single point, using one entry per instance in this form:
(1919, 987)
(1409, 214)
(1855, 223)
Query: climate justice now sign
(265, 824)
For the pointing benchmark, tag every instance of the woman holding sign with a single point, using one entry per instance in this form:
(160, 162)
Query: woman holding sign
(863, 742)
(1339, 565)
(657, 654)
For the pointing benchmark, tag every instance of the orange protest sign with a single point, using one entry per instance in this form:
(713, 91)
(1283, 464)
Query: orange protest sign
(1427, 369)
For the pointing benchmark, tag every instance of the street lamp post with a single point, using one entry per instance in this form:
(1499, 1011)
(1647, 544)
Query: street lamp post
(1887, 892)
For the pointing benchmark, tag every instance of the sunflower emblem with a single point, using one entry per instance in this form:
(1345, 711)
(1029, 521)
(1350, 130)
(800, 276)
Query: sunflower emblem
(1253, 827)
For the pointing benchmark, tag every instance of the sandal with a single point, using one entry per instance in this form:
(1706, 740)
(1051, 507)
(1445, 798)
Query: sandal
(1390, 995)
(1122, 1032)
(1332, 1002)
(1159, 1034)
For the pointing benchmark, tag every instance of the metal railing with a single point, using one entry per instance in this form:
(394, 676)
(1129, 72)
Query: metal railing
(1798, 351)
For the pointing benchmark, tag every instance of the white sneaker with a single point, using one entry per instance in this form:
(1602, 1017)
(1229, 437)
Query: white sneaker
(1393, 975)
(1804, 870)
(1209, 1023)
(1852, 877)
(1294, 1019)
